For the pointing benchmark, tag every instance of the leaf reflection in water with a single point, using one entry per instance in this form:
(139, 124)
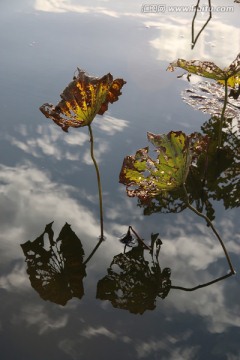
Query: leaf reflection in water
(209, 98)
(56, 271)
(133, 283)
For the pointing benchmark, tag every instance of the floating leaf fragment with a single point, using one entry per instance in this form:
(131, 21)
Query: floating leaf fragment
(83, 99)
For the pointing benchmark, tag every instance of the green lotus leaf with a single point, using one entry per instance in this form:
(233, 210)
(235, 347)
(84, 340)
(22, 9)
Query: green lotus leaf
(145, 177)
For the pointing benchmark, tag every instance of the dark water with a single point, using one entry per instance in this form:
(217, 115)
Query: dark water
(47, 175)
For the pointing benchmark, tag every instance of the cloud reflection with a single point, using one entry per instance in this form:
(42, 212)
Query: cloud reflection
(110, 125)
(16, 280)
(62, 6)
(195, 253)
(74, 146)
(170, 347)
(37, 316)
(91, 332)
(176, 31)
(30, 199)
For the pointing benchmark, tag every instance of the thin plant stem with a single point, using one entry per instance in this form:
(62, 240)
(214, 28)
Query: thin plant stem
(201, 285)
(212, 227)
(139, 239)
(98, 182)
(222, 114)
(93, 251)
(193, 21)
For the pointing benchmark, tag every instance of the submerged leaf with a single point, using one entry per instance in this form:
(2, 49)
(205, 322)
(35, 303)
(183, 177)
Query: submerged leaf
(146, 178)
(207, 69)
(209, 98)
(83, 99)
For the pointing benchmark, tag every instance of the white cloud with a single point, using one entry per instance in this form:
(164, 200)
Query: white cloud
(71, 348)
(36, 316)
(233, 356)
(209, 303)
(74, 346)
(16, 280)
(51, 142)
(194, 259)
(32, 200)
(170, 345)
(74, 146)
(111, 125)
(76, 138)
(92, 332)
(61, 6)
(173, 41)
(198, 252)
(100, 148)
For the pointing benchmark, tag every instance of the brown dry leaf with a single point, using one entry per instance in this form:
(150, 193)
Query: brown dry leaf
(83, 99)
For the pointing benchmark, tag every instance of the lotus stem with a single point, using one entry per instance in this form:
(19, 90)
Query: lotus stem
(222, 114)
(212, 227)
(193, 21)
(139, 239)
(98, 182)
(201, 285)
(93, 251)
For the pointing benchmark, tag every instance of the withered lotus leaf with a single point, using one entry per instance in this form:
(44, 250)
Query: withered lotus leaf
(210, 70)
(83, 99)
(145, 177)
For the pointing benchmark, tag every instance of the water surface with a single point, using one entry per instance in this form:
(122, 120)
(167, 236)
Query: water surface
(47, 175)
